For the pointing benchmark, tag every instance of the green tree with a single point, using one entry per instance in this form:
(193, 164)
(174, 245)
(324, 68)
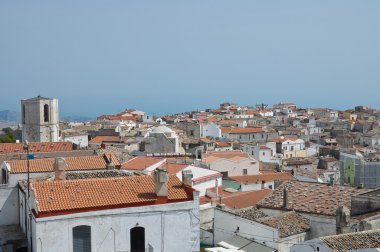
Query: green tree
(8, 138)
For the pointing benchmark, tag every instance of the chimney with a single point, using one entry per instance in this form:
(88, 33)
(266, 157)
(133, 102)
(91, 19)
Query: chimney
(187, 178)
(110, 164)
(161, 179)
(59, 168)
(285, 199)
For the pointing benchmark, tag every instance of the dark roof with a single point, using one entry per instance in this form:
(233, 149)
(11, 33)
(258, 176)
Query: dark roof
(353, 241)
(310, 197)
(288, 224)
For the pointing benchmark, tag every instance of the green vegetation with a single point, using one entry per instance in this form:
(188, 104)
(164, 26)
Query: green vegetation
(9, 137)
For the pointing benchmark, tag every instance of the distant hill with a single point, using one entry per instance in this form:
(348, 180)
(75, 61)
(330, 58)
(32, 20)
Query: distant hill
(10, 116)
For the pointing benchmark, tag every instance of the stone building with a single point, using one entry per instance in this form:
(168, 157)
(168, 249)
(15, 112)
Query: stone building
(40, 119)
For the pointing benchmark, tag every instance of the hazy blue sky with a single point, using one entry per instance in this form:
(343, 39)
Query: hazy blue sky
(168, 56)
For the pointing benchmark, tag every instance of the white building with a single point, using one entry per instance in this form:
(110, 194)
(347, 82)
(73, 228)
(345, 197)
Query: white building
(210, 130)
(202, 178)
(278, 232)
(161, 139)
(40, 119)
(231, 163)
(136, 213)
(77, 138)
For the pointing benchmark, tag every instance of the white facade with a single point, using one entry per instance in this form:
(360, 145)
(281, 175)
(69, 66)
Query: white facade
(40, 120)
(80, 140)
(164, 226)
(202, 178)
(230, 167)
(211, 130)
(227, 225)
(290, 145)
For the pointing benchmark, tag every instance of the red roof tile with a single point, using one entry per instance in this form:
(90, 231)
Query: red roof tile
(236, 200)
(65, 196)
(73, 164)
(6, 148)
(242, 130)
(141, 163)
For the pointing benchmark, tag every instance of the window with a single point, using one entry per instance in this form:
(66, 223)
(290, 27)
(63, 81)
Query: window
(292, 148)
(46, 113)
(224, 174)
(245, 172)
(4, 177)
(23, 113)
(263, 153)
(137, 239)
(82, 239)
(270, 187)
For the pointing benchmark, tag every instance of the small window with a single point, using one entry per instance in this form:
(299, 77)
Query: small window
(270, 187)
(191, 132)
(4, 177)
(46, 113)
(23, 113)
(224, 174)
(245, 171)
(82, 239)
(263, 153)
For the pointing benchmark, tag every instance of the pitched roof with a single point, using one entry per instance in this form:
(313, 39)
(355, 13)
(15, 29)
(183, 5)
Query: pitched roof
(242, 130)
(237, 200)
(222, 144)
(6, 148)
(288, 224)
(309, 197)
(353, 241)
(68, 196)
(237, 156)
(141, 163)
(73, 164)
(101, 139)
(248, 179)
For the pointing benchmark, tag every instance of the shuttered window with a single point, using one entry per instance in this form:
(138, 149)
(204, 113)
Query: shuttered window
(82, 239)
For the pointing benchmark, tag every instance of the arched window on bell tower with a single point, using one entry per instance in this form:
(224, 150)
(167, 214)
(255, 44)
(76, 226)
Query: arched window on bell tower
(46, 113)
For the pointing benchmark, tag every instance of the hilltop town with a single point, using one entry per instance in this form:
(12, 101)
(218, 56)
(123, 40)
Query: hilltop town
(229, 178)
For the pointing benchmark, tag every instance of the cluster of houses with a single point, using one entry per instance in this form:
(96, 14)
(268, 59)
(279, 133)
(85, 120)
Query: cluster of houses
(234, 178)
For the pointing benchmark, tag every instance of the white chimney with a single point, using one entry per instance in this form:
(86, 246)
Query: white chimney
(161, 179)
(59, 168)
(187, 178)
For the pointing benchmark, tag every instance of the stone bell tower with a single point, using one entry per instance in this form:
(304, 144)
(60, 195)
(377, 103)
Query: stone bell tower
(40, 120)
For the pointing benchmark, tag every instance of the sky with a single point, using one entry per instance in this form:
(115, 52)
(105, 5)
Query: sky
(100, 57)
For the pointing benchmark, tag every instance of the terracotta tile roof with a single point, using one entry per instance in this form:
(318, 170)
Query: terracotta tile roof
(309, 197)
(263, 147)
(101, 139)
(288, 223)
(173, 168)
(65, 196)
(353, 241)
(36, 147)
(73, 164)
(212, 156)
(227, 154)
(222, 144)
(241, 130)
(237, 200)
(249, 179)
(141, 163)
